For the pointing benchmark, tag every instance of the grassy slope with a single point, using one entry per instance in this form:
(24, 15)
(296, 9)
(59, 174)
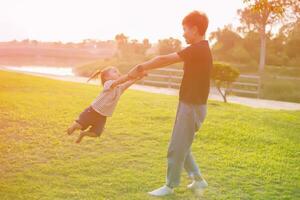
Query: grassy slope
(244, 153)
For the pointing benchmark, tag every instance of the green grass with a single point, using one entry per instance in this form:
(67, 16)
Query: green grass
(244, 153)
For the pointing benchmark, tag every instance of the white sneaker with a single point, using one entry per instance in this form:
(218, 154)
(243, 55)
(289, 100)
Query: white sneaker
(162, 191)
(198, 187)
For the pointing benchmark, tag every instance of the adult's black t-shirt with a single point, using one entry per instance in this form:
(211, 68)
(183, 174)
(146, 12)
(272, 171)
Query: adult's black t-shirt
(195, 83)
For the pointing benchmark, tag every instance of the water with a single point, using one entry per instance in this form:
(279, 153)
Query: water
(59, 71)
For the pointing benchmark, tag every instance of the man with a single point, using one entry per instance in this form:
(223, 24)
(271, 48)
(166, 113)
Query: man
(192, 106)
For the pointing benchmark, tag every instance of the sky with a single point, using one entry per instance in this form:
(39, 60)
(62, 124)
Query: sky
(76, 20)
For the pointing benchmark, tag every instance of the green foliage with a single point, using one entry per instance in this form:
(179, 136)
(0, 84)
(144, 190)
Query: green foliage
(260, 16)
(129, 54)
(167, 46)
(229, 46)
(128, 48)
(293, 41)
(226, 37)
(281, 49)
(224, 72)
(223, 75)
(281, 89)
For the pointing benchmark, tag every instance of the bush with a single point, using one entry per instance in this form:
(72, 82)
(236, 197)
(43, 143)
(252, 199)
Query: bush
(224, 75)
(281, 89)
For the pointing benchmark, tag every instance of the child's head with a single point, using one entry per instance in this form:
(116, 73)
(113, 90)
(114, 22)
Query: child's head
(194, 26)
(108, 73)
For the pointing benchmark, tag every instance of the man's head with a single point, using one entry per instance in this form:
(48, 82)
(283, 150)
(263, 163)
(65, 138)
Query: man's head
(194, 26)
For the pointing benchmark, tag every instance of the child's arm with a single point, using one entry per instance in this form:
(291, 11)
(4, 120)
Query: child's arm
(130, 82)
(127, 77)
(127, 84)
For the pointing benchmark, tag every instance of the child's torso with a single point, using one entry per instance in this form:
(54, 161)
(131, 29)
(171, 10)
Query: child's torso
(107, 100)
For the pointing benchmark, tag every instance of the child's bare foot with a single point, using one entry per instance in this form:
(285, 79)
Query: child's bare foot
(80, 138)
(70, 130)
(75, 126)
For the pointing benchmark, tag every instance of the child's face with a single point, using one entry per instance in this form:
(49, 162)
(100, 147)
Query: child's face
(190, 33)
(113, 74)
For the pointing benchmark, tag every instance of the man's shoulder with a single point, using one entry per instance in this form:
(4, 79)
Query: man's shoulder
(200, 46)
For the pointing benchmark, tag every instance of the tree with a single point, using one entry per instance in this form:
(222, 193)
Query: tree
(227, 40)
(227, 37)
(128, 48)
(122, 43)
(293, 41)
(146, 45)
(224, 75)
(261, 15)
(134, 47)
(167, 46)
(276, 54)
(250, 41)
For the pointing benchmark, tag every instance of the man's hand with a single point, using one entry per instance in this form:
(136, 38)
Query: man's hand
(137, 71)
(120, 80)
(142, 76)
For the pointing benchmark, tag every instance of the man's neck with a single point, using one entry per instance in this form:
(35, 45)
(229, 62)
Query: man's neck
(198, 39)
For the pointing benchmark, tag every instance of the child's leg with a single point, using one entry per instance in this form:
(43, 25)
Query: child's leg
(86, 133)
(96, 128)
(75, 126)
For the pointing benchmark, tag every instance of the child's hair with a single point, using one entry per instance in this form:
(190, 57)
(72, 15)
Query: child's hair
(198, 19)
(102, 73)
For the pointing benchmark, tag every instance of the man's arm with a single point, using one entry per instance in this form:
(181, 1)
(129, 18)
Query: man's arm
(161, 61)
(141, 69)
(154, 63)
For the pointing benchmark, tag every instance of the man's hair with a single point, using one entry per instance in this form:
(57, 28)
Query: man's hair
(198, 19)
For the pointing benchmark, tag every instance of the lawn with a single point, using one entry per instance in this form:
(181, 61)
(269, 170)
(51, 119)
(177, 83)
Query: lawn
(244, 153)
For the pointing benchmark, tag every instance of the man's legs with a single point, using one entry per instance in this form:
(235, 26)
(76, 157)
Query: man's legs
(199, 184)
(191, 166)
(189, 163)
(188, 120)
(181, 141)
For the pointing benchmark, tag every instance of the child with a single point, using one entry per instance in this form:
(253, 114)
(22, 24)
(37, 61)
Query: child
(92, 120)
